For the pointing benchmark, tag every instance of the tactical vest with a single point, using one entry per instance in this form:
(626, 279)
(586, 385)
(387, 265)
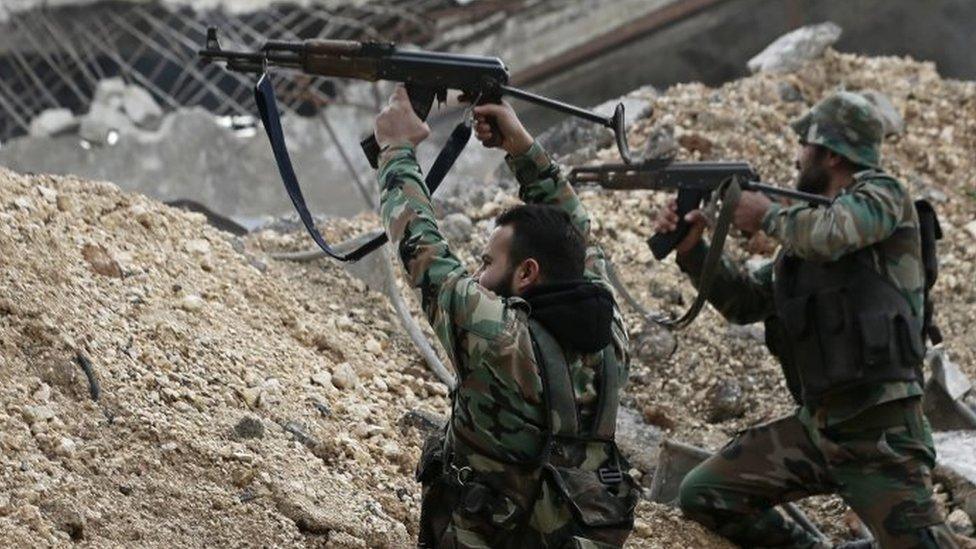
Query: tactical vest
(841, 324)
(600, 493)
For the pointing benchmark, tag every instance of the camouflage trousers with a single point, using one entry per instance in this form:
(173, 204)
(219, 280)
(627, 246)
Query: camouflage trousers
(879, 462)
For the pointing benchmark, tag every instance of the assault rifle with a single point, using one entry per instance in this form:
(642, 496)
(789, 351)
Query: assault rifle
(694, 181)
(426, 75)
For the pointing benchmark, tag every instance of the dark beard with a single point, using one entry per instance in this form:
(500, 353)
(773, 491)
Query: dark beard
(814, 178)
(504, 288)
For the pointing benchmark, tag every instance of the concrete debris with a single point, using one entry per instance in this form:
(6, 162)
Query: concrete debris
(790, 51)
(960, 523)
(140, 106)
(456, 227)
(249, 427)
(726, 400)
(52, 122)
(893, 121)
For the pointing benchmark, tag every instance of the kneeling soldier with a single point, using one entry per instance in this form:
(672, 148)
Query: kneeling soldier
(843, 307)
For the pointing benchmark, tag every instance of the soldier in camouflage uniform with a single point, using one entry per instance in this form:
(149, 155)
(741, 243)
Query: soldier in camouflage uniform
(842, 305)
(504, 474)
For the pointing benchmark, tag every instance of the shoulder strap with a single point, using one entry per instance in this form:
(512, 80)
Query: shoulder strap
(268, 109)
(606, 417)
(556, 384)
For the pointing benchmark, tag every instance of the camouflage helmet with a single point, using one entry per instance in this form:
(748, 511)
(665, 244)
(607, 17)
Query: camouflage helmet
(846, 123)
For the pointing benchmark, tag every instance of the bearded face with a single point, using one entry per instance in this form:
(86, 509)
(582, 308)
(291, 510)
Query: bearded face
(814, 176)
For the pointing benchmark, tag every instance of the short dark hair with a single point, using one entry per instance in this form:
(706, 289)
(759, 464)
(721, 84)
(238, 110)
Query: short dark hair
(546, 234)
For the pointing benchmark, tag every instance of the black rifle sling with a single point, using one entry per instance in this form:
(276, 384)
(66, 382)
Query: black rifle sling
(729, 191)
(560, 400)
(268, 108)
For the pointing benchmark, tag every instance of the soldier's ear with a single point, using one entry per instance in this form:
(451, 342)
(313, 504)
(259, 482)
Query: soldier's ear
(527, 274)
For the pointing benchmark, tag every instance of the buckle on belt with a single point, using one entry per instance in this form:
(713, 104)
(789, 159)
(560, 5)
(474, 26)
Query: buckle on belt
(610, 476)
(463, 474)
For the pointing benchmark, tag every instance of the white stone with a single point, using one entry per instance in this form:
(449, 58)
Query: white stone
(48, 193)
(192, 303)
(373, 347)
(35, 414)
(790, 51)
(960, 523)
(168, 447)
(891, 119)
(43, 393)
(322, 378)
(344, 377)
(66, 447)
(101, 122)
(197, 246)
(53, 122)
(109, 92)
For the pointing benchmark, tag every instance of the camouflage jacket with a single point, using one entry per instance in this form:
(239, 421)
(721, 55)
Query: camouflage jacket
(498, 405)
(876, 211)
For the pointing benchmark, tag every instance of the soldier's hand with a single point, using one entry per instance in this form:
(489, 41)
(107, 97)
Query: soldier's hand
(397, 124)
(499, 118)
(667, 221)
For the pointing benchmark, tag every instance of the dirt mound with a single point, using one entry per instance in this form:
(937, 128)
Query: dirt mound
(247, 401)
(241, 401)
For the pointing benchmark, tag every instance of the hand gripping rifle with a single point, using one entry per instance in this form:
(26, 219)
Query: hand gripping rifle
(426, 75)
(694, 181)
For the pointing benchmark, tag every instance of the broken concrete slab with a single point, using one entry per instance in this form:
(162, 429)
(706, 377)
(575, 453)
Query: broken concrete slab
(790, 51)
(53, 122)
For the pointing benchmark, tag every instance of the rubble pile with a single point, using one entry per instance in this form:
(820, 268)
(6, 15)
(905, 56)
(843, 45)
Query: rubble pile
(164, 383)
(167, 384)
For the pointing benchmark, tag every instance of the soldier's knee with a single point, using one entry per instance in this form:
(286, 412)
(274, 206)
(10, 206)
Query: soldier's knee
(693, 494)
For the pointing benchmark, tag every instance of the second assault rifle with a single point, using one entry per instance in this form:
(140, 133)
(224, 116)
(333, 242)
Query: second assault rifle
(427, 77)
(694, 181)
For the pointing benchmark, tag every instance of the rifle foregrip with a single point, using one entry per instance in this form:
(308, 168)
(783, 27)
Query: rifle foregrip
(662, 243)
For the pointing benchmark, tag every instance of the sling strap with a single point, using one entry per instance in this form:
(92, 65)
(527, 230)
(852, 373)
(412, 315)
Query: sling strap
(730, 192)
(268, 108)
(564, 419)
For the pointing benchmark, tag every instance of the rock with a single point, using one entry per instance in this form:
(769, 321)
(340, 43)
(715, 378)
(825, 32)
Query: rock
(141, 107)
(789, 93)
(48, 194)
(168, 447)
(249, 427)
(891, 119)
(373, 347)
(457, 227)
(322, 378)
(749, 332)
(70, 521)
(101, 122)
(52, 122)
(960, 523)
(251, 396)
(37, 414)
(726, 400)
(790, 51)
(660, 143)
(43, 393)
(65, 447)
(344, 377)
(100, 260)
(109, 92)
(659, 416)
(654, 343)
(694, 142)
(637, 440)
(192, 303)
(971, 228)
(197, 246)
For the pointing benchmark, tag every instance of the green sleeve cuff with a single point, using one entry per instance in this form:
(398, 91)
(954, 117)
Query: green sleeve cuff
(395, 152)
(769, 219)
(528, 166)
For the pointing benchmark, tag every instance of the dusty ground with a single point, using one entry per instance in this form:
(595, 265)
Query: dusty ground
(246, 401)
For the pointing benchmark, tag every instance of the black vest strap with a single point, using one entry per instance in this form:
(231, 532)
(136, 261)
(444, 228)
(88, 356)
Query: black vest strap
(563, 416)
(268, 108)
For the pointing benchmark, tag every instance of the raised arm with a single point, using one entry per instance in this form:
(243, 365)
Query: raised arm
(453, 302)
(540, 179)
